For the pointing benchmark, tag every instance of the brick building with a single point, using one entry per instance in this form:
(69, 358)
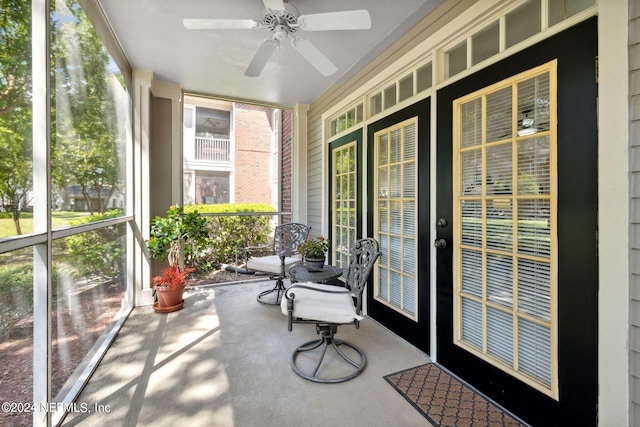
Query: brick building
(236, 153)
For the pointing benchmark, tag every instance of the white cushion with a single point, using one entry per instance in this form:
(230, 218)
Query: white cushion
(321, 306)
(271, 263)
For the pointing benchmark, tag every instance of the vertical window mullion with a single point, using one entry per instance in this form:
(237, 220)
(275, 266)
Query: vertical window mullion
(42, 259)
(483, 194)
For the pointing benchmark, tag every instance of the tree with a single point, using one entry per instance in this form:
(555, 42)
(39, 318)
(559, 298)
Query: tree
(15, 108)
(86, 137)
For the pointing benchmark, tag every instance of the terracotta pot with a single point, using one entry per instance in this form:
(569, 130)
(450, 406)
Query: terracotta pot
(314, 263)
(168, 297)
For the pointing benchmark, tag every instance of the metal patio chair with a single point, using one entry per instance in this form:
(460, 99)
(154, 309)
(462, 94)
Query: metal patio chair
(282, 251)
(329, 306)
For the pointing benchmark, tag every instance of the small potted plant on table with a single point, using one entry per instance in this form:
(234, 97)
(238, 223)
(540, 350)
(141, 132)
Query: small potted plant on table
(167, 241)
(314, 252)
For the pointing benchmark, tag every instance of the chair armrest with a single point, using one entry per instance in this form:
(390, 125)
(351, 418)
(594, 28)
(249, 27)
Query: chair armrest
(287, 253)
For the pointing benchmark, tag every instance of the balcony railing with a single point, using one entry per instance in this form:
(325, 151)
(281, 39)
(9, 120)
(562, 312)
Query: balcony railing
(213, 149)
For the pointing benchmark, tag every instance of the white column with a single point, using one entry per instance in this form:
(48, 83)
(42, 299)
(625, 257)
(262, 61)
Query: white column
(613, 212)
(299, 161)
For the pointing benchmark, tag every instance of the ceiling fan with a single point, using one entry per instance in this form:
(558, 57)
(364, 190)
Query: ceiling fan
(284, 21)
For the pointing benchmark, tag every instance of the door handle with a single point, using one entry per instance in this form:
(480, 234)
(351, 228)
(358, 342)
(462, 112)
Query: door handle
(440, 243)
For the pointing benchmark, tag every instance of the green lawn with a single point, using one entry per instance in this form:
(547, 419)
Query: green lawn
(59, 220)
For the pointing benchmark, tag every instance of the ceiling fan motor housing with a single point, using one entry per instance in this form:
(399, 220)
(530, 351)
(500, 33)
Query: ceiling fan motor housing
(278, 21)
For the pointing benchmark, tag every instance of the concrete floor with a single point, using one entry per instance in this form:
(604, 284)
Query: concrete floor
(224, 360)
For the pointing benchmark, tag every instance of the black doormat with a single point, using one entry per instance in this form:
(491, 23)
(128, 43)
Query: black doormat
(447, 401)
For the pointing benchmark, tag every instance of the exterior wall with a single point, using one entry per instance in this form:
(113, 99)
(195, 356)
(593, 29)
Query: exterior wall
(286, 166)
(253, 130)
(634, 315)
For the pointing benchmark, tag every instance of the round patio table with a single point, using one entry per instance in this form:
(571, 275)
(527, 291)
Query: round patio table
(301, 273)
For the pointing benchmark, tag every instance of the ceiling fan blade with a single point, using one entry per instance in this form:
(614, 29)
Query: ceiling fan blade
(220, 24)
(348, 20)
(314, 56)
(274, 4)
(261, 58)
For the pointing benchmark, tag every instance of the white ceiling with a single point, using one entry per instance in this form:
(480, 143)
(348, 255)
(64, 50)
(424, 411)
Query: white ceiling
(213, 62)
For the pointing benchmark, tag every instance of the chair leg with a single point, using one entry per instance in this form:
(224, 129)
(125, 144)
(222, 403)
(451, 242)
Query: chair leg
(278, 289)
(326, 342)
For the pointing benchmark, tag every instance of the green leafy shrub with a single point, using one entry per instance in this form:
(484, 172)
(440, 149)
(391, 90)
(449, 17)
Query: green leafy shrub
(98, 252)
(16, 295)
(231, 234)
(181, 234)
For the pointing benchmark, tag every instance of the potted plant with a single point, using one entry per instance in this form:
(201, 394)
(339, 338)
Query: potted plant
(169, 287)
(314, 252)
(172, 238)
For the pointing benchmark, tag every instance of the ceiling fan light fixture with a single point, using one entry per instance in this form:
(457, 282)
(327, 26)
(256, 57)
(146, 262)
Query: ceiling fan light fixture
(281, 32)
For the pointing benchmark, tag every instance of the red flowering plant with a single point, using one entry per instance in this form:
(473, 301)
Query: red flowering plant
(172, 277)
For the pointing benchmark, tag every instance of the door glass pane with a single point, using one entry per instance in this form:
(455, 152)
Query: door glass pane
(534, 227)
(499, 169)
(500, 335)
(534, 288)
(409, 142)
(471, 174)
(500, 279)
(499, 228)
(472, 273)
(471, 123)
(533, 105)
(472, 323)
(396, 146)
(499, 115)
(534, 342)
(472, 223)
(534, 174)
(409, 180)
(395, 180)
(409, 218)
(396, 217)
